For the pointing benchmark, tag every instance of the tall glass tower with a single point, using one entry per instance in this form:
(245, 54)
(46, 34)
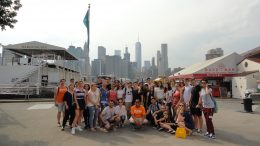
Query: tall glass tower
(138, 55)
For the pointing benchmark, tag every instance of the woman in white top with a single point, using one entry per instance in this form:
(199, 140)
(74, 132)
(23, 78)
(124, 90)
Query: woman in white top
(120, 92)
(93, 105)
(207, 107)
(159, 92)
(121, 111)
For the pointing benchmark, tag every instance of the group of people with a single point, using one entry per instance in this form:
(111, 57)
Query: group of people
(107, 105)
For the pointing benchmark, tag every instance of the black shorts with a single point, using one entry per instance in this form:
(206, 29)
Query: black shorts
(81, 103)
(196, 111)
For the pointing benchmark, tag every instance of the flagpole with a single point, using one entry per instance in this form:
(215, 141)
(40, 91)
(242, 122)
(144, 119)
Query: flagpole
(89, 25)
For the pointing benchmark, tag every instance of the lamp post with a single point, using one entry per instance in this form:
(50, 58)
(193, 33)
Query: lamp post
(2, 58)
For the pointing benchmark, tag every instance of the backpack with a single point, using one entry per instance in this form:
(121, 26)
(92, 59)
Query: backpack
(215, 109)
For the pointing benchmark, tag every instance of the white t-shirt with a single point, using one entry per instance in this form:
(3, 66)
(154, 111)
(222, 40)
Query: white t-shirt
(108, 112)
(187, 94)
(169, 96)
(159, 93)
(206, 98)
(94, 96)
(128, 95)
(120, 111)
(120, 93)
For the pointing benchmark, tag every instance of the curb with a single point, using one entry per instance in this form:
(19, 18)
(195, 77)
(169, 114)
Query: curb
(25, 100)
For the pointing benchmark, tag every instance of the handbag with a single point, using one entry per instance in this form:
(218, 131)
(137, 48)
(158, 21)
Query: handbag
(181, 133)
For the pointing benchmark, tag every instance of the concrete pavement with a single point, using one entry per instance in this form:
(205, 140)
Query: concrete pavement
(33, 123)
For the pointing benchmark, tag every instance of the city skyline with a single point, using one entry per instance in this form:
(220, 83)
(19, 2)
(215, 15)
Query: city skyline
(186, 26)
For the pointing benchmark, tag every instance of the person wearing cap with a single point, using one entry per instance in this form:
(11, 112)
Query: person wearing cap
(138, 115)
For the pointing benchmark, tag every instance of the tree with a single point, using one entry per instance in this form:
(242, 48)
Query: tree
(8, 12)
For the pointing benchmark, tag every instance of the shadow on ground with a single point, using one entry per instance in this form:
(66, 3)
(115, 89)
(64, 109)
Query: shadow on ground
(6, 119)
(6, 141)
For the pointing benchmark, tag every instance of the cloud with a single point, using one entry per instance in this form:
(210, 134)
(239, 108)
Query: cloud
(190, 27)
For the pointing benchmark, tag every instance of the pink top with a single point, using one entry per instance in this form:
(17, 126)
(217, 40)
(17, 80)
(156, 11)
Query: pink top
(112, 96)
(176, 97)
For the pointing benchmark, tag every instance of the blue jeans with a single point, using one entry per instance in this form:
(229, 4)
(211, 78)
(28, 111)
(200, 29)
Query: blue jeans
(93, 116)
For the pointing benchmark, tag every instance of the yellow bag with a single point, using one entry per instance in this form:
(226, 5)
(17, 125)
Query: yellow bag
(180, 133)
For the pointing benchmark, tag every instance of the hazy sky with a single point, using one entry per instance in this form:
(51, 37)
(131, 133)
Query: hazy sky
(190, 27)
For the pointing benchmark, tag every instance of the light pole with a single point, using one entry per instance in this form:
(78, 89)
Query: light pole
(2, 56)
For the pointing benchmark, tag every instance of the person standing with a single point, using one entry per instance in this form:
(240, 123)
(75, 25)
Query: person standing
(137, 93)
(207, 107)
(69, 107)
(120, 92)
(169, 97)
(93, 106)
(128, 97)
(104, 95)
(79, 95)
(187, 93)
(159, 92)
(85, 113)
(196, 112)
(112, 94)
(177, 96)
(145, 95)
(58, 99)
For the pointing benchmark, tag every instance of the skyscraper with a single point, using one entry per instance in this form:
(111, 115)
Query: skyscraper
(147, 64)
(127, 55)
(101, 52)
(138, 55)
(164, 57)
(118, 53)
(159, 63)
(213, 53)
(153, 61)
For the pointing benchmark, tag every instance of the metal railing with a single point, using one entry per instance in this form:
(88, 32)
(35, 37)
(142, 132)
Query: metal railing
(46, 92)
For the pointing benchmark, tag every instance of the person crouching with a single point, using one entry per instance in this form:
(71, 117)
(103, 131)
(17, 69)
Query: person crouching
(138, 115)
(109, 118)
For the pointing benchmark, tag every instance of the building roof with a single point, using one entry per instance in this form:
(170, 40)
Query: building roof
(252, 52)
(245, 73)
(37, 48)
(257, 60)
(219, 62)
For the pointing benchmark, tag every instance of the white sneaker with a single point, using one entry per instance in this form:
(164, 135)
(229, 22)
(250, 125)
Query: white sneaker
(212, 136)
(103, 130)
(79, 128)
(73, 130)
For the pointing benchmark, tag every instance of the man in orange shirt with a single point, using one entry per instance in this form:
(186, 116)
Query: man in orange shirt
(138, 115)
(58, 99)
